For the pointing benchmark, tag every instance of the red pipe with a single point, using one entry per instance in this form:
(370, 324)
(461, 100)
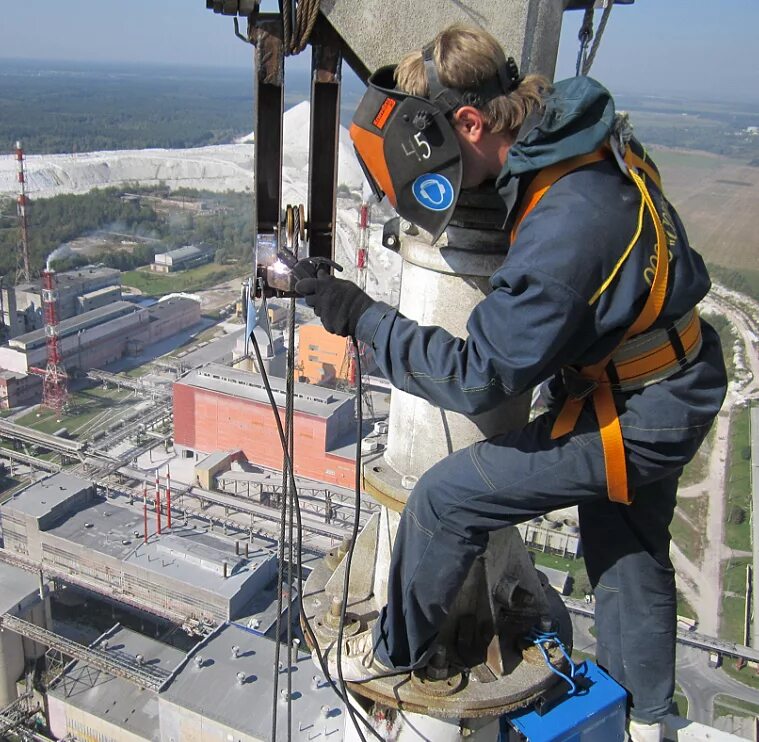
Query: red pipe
(168, 498)
(145, 510)
(158, 503)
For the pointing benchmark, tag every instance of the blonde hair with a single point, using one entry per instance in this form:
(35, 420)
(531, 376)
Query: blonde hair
(465, 57)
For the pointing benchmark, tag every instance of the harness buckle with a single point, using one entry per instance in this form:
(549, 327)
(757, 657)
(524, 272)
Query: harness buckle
(578, 386)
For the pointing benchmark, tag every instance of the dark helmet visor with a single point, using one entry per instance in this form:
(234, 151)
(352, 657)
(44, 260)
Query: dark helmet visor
(409, 151)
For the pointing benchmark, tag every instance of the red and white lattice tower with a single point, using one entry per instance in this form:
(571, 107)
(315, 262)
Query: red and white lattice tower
(362, 260)
(22, 270)
(55, 382)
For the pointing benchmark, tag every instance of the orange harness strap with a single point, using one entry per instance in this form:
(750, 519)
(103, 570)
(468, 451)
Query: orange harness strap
(547, 177)
(599, 386)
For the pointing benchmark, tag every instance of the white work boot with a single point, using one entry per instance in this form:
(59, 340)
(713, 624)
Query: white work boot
(640, 732)
(357, 660)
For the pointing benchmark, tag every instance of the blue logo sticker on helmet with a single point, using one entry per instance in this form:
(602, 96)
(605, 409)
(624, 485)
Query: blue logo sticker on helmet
(433, 191)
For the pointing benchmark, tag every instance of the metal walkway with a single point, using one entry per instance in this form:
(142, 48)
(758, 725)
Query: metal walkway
(52, 442)
(689, 638)
(104, 591)
(112, 661)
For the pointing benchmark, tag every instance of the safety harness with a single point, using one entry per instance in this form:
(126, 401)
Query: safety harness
(643, 356)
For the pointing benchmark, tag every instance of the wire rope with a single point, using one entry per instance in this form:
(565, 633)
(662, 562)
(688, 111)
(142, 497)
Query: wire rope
(588, 62)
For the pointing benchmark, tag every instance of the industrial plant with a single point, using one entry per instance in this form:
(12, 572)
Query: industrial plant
(201, 489)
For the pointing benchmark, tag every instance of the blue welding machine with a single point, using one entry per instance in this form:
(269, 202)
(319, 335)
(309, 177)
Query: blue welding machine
(595, 712)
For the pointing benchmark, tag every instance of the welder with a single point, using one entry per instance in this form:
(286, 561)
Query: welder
(595, 300)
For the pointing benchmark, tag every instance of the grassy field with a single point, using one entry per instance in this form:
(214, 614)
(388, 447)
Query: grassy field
(731, 621)
(716, 198)
(84, 407)
(575, 567)
(738, 534)
(734, 598)
(747, 675)
(195, 279)
(725, 705)
(689, 539)
(684, 608)
(681, 702)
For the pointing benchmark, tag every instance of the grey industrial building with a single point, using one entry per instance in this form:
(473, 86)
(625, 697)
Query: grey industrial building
(79, 291)
(189, 256)
(19, 596)
(90, 704)
(91, 340)
(221, 690)
(186, 573)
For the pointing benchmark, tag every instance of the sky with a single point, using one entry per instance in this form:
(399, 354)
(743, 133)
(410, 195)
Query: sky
(697, 48)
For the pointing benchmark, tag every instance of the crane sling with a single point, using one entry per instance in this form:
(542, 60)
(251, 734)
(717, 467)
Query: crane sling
(643, 356)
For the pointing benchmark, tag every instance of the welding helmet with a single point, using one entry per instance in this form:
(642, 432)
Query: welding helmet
(407, 146)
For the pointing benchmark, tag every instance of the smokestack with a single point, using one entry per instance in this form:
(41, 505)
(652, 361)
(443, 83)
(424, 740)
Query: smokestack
(225, 567)
(145, 509)
(168, 497)
(64, 251)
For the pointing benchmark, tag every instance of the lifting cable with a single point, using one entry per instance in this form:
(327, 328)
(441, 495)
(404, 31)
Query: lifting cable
(298, 21)
(339, 688)
(585, 57)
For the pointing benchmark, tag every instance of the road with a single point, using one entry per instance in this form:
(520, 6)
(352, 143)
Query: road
(702, 584)
(699, 682)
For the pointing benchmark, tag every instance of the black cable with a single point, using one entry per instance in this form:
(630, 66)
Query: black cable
(341, 692)
(280, 564)
(354, 534)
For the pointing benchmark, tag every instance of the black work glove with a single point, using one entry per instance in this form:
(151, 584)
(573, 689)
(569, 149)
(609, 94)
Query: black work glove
(314, 268)
(338, 303)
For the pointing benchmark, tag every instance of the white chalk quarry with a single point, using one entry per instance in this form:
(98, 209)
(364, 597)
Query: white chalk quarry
(215, 168)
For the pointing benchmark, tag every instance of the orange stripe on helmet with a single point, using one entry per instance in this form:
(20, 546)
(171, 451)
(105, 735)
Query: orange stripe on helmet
(371, 149)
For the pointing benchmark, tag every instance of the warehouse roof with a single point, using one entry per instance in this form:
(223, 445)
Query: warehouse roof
(117, 701)
(232, 669)
(104, 291)
(182, 253)
(41, 497)
(309, 398)
(188, 555)
(75, 324)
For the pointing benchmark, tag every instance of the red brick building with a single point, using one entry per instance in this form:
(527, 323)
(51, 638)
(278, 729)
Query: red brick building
(219, 408)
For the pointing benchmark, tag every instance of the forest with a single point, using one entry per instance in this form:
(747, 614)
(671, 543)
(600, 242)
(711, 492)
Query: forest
(223, 223)
(70, 108)
(65, 107)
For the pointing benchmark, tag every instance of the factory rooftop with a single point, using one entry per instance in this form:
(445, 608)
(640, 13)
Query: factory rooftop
(227, 677)
(118, 701)
(188, 555)
(309, 399)
(71, 326)
(67, 278)
(48, 495)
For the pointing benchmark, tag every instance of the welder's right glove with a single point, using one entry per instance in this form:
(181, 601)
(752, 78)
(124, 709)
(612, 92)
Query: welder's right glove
(314, 268)
(338, 303)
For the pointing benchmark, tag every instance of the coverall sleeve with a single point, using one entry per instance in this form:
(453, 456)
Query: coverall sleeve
(519, 335)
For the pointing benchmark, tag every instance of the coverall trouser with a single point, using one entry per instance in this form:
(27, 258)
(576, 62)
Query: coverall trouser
(515, 477)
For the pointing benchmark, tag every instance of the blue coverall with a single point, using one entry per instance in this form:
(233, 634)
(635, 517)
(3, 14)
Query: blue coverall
(538, 319)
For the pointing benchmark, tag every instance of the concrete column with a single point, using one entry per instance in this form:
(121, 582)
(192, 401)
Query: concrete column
(11, 665)
(441, 286)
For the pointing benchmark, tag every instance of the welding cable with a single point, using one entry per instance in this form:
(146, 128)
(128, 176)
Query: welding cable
(539, 639)
(341, 692)
(283, 537)
(354, 534)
